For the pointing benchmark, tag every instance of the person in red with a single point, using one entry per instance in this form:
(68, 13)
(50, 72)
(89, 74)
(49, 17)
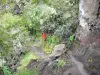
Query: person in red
(44, 36)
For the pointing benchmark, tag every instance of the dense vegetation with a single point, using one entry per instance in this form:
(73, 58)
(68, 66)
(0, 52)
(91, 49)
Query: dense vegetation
(22, 23)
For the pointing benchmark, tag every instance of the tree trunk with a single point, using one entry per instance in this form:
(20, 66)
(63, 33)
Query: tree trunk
(88, 13)
(88, 35)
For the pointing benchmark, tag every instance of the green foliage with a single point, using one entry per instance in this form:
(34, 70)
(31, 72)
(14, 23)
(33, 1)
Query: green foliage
(9, 20)
(26, 59)
(13, 37)
(11, 26)
(35, 1)
(32, 14)
(71, 38)
(90, 60)
(49, 44)
(1, 71)
(60, 63)
(64, 21)
(52, 23)
(6, 70)
(48, 2)
(5, 39)
(28, 72)
(56, 17)
(36, 15)
(3, 1)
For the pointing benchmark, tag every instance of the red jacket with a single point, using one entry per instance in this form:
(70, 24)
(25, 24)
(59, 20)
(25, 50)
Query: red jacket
(43, 35)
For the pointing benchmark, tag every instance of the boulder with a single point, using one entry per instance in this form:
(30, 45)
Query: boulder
(58, 50)
(32, 64)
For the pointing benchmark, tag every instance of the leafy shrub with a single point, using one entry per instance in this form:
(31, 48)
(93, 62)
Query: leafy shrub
(55, 24)
(6, 70)
(11, 26)
(3, 1)
(51, 23)
(35, 15)
(65, 21)
(71, 38)
(49, 44)
(26, 59)
(1, 71)
(13, 38)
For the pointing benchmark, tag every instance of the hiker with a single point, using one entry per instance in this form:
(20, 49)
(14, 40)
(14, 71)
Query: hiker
(44, 37)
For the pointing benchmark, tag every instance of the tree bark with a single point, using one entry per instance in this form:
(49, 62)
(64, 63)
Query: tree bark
(88, 10)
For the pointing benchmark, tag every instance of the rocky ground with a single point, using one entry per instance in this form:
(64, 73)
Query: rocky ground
(49, 64)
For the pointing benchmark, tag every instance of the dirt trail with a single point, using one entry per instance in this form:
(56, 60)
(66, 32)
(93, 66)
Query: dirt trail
(38, 51)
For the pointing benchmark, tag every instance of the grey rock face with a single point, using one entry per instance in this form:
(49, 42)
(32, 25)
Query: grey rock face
(90, 57)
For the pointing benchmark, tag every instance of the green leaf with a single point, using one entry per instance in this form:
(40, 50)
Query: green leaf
(71, 38)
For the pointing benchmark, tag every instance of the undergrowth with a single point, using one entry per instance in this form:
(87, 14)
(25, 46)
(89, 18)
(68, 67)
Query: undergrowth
(26, 59)
(28, 72)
